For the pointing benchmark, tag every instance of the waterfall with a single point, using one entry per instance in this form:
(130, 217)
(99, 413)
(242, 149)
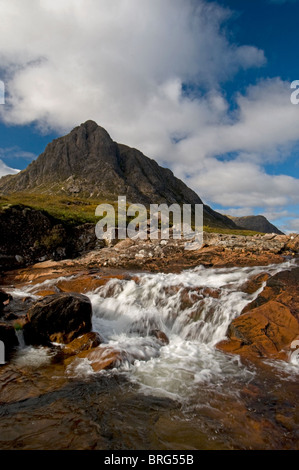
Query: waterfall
(20, 336)
(193, 308)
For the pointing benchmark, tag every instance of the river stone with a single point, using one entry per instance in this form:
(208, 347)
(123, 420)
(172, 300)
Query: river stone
(270, 323)
(83, 343)
(8, 337)
(58, 318)
(4, 300)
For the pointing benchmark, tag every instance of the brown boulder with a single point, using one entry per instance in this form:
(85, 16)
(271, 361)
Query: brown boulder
(45, 293)
(104, 358)
(85, 283)
(190, 295)
(265, 331)
(58, 318)
(100, 358)
(160, 335)
(8, 338)
(282, 287)
(255, 283)
(81, 284)
(269, 324)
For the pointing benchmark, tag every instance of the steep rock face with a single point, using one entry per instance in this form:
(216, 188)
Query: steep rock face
(88, 163)
(29, 235)
(21, 229)
(259, 223)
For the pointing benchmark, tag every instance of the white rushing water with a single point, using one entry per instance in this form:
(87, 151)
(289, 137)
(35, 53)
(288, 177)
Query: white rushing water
(193, 308)
(193, 318)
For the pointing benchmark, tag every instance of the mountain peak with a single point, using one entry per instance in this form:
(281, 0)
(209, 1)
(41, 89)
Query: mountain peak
(89, 124)
(88, 163)
(90, 127)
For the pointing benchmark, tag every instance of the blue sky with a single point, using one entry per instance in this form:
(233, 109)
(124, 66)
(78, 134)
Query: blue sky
(203, 87)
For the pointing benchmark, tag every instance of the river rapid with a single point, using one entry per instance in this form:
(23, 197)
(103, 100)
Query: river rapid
(182, 395)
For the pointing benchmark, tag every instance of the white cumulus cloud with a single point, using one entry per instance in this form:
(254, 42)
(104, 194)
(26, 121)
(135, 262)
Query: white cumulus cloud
(124, 63)
(6, 170)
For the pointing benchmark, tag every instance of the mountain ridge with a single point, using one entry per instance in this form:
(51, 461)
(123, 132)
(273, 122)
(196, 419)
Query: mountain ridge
(258, 223)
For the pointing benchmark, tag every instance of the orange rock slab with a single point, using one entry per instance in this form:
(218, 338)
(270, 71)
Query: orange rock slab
(266, 331)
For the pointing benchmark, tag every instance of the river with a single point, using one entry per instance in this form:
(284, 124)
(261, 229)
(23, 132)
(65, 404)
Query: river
(182, 395)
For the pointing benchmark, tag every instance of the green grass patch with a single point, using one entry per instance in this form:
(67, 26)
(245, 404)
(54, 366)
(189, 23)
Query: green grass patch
(70, 211)
(74, 211)
(229, 231)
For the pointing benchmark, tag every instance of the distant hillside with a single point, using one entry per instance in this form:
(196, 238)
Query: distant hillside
(258, 223)
(87, 163)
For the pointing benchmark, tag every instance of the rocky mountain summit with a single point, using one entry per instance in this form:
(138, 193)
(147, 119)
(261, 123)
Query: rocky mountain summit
(88, 163)
(258, 223)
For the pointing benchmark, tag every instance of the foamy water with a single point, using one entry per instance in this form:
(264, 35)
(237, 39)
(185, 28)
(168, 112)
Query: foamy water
(125, 313)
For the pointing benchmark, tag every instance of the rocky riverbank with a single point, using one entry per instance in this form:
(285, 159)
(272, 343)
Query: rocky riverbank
(218, 250)
(266, 328)
(103, 328)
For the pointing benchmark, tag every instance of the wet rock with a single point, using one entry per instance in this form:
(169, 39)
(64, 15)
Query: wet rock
(100, 358)
(254, 283)
(11, 316)
(19, 322)
(4, 300)
(266, 331)
(8, 337)
(81, 284)
(83, 343)
(16, 307)
(160, 335)
(269, 324)
(45, 293)
(104, 358)
(282, 287)
(191, 295)
(58, 318)
(269, 328)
